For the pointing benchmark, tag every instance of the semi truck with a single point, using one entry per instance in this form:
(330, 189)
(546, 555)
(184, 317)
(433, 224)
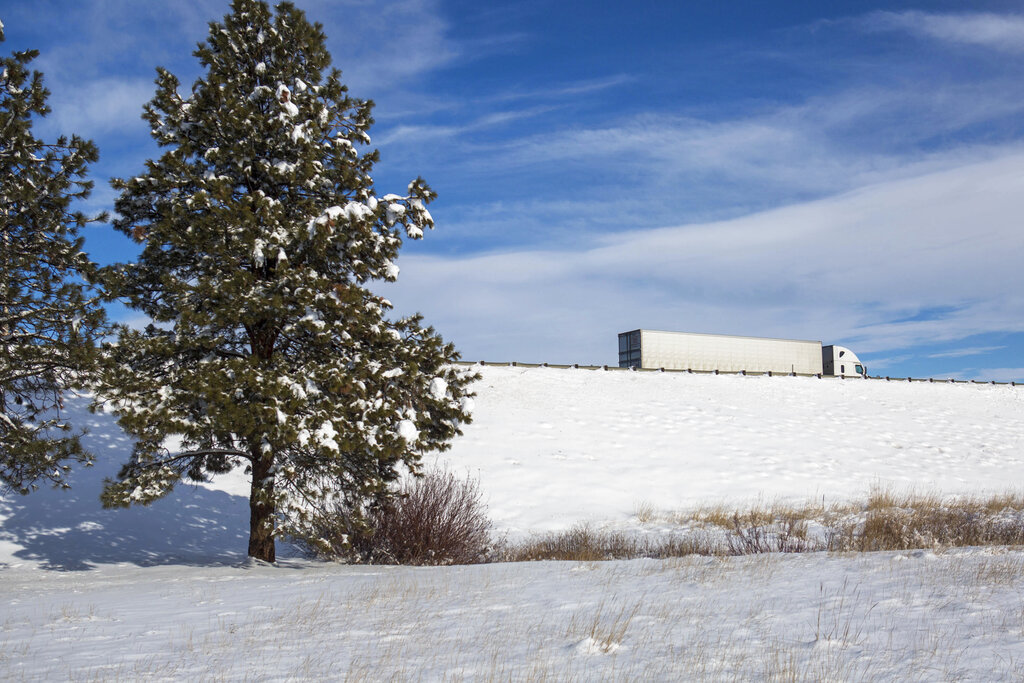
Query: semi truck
(654, 349)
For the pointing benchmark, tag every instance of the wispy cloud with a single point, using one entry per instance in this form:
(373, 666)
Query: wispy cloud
(828, 143)
(421, 133)
(583, 87)
(1003, 32)
(383, 44)
(968, 351)
(100, 105)
(652, 168)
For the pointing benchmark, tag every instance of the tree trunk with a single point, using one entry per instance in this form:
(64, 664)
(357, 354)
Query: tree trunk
(262, 508)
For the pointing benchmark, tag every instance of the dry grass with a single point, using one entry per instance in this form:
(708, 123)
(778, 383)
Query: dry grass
(723, 516)
(644, 512)
(583, 543)
(605, 631)
(998, 571)
(915, 521)
(886, 520)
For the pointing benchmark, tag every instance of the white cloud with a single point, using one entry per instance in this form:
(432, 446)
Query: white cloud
(825, 144)
(583, 87)
(383, 44)
(380, 45)
(420, 133)
(93, 107)
(1003, 32)
(968, 351)
(839, 269)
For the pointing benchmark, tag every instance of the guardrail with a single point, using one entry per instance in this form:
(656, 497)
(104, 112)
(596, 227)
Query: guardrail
(769, 373)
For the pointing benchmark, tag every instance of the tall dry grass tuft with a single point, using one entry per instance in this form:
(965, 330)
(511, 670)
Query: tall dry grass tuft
(582, 543)
(913, 521)
(606, 630)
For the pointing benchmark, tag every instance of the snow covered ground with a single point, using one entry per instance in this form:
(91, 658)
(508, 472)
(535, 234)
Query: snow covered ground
(165, 593)
(916, 616)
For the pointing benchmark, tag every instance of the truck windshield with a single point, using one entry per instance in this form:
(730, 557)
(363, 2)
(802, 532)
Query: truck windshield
(860, 369)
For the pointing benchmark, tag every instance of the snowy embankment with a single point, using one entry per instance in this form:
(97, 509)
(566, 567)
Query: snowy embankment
(554, 447)
(164, 592)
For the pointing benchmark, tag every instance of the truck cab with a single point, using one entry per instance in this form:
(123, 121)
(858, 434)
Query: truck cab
(840, 361)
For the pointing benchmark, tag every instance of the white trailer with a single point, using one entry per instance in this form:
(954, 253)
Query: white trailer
(655, 349)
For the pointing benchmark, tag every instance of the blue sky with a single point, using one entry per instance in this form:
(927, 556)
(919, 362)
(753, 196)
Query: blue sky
(845, 171)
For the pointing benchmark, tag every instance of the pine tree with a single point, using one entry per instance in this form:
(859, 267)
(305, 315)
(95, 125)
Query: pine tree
(261, 231)
(48, 317)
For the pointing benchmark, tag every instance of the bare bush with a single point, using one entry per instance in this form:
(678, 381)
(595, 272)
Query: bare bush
(433, 519)
(787, 535)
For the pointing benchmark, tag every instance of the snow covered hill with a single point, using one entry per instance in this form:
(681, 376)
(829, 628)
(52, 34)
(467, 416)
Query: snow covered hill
(553, 446)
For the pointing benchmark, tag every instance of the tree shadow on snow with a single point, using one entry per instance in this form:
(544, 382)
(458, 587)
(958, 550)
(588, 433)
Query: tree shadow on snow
(70, 530)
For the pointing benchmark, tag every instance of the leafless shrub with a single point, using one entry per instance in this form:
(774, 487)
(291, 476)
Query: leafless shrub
(787, 535)
(686, 545)
(436, 519)
(433, 519)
